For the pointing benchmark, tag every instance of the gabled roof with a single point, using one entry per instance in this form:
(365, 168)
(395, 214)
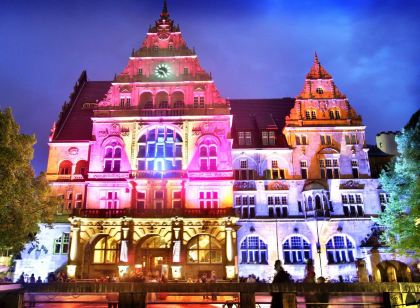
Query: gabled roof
(318, 71)
(257, 115)
(76, 123)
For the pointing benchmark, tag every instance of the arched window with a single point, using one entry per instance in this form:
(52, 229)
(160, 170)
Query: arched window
(81, 167)
(296, 250)
(146, 100)
(310, 206)
(208, 157)
(318, 204)
(162, 100)
(65, 167)
(340, 249)
(154, 242)
(253, 250)
(105, 250)
(204, 248)
(160, 149)
(178, 99)
(112, 158)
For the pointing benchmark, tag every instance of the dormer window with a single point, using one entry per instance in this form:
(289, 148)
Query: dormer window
(310, 114)
(319, 90)
(334, 114)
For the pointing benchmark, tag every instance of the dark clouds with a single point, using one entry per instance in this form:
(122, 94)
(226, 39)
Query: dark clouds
(253, 49)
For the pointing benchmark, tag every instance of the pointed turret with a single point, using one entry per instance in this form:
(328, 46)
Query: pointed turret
(318, 71)
(320, 102)
(164, 10)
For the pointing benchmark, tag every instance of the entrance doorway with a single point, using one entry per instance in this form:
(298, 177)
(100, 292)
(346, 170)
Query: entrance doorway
(153, 254)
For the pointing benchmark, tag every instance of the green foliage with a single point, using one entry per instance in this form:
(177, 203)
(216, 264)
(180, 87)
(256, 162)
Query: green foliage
(401, 217)
(24, 199)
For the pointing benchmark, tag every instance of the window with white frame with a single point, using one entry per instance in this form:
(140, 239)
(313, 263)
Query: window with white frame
(326, 140)
(277, 206)
(159, 200)
(246, 204)
(198, 101)
(176, 200)
(351, 139)
(296, 250)
(340, 249)
(244, 138)
(304, 169)
(160, 149)
(208, 199)
(61, 244)
(208, 157)
(352, 204)
(112, 158)
(125, 101)
(253, 250)
(141, 200)
(268, 138)
(384, 200)
(355, 168)
(109, 199)
(244, 163)
(329, 168)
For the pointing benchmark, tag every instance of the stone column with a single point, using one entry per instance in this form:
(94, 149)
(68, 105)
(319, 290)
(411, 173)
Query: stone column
(230, 250)
(74, 247)
(175, 262)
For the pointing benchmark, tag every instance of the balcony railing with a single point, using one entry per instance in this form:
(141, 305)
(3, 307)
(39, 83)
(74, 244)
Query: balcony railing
(153, 213)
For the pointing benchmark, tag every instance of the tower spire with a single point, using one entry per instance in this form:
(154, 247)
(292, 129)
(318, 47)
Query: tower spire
(164, 10)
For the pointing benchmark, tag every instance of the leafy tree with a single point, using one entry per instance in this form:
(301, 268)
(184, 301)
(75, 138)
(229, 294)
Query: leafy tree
(401, 181)
(25, 200)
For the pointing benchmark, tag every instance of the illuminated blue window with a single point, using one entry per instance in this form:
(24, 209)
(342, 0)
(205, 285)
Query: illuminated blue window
(340, 249)
(160, 149)
(296, 250)
(253, 250)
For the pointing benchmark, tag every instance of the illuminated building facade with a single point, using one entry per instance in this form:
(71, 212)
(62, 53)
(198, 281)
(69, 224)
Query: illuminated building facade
(160, 173)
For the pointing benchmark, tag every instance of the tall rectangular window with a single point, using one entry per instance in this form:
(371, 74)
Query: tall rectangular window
(79, 201)
(272, 138)
(241, 138)
(61, 244)
(304, 169)
(141, 200)
(326, 140)
(352, 205)
(186, 71)
(355, 168)
(208, 199)
(264, 138)
(248, 138)
(176, 200)
(329, 168)
(159, 201)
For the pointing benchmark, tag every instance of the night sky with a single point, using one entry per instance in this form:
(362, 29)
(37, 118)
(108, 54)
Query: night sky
(254, 49)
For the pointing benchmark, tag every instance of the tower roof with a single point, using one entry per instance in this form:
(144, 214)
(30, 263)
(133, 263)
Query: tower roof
(318, 71)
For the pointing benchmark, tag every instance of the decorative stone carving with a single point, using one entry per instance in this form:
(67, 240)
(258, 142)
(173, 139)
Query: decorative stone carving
(73, 151)
(352, 185)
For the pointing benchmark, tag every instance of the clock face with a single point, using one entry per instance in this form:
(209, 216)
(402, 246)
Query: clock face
(162, 70)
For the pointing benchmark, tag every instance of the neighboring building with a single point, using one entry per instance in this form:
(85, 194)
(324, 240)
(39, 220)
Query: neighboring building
(160, 173)
(46, 254)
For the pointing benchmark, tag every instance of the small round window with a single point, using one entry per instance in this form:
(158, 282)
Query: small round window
(319, 90)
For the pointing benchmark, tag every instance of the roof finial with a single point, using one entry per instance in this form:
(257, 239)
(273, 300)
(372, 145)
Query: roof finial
(164, 9)
(316, 60)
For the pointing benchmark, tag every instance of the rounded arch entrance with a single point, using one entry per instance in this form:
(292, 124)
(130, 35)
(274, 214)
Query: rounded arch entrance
(392, 271)
(153, 255)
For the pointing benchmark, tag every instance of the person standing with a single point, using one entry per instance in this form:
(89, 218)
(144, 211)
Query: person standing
(309, 271)
(281, 277)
